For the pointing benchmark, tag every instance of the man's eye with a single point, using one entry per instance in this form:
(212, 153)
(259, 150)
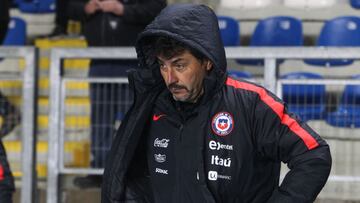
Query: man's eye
(162, 66)
(180, 66)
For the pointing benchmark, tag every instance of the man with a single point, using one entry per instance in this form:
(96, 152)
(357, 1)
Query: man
(195, 135)
(6, 179)
(111, 23)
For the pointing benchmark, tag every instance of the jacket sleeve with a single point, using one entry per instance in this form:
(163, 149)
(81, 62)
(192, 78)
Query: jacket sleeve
(281, 136)
(143, 12)
(7, 187)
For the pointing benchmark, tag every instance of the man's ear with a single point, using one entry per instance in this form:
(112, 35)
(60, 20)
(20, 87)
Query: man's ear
(209, 65)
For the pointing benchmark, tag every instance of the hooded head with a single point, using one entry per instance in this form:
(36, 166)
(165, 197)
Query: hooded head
(194, 27)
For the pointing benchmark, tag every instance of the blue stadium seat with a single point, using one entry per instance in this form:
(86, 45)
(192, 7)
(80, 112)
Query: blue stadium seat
(307, 101)
(37, 6)
(16, 2)
(16, 34)
(275, 31)
(240, 74)
(355, 4)
(348, 111)
(229, 30)
(341, 31)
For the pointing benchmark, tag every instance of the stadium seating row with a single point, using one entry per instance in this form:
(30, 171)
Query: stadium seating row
(296, 4)
(46, 6)
(287, 31)
(309, 101)
(36, 6)
(282, 31)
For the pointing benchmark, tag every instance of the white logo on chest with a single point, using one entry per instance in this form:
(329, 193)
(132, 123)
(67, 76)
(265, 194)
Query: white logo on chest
(162, 171)
(163, 143)
(217, 146)
(160, 158)
(216, 160)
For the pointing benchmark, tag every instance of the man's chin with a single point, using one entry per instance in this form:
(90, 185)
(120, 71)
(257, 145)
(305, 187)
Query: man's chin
(180, 98)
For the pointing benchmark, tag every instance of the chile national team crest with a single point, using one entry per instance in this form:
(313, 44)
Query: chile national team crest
(222, 123)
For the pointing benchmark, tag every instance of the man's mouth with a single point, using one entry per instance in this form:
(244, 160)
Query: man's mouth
(176, 88)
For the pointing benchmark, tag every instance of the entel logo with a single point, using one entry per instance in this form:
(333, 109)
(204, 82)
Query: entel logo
(217, 146)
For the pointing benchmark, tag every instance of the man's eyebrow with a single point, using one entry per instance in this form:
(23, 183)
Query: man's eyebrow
(175, 61)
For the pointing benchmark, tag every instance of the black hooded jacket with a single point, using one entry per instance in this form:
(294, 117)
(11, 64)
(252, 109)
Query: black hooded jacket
(242, 131)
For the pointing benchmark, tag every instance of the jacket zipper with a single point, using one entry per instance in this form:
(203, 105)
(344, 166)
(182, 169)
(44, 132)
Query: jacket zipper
(177, 165)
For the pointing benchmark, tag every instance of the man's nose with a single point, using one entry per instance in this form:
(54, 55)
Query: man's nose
(171, 76)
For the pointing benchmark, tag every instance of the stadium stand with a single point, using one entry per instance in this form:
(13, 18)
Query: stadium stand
(37, 6)
(348, 112)
(275, 31)
(341, 31)
(307, 101)
(229, 30)
(240, 74)
(77, 120)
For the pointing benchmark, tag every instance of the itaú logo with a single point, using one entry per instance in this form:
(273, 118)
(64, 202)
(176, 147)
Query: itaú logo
(216, 160)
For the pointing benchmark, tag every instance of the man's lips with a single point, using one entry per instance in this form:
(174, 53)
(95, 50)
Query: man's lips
(176, 88)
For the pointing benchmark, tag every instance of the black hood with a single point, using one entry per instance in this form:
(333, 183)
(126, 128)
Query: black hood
(192, 24)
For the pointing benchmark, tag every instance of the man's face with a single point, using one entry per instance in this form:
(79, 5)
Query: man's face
(184, 75)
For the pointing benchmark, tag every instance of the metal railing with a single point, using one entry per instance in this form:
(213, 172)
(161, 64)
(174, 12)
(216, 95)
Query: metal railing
(55, 166)
(28, 158)
(271, 81)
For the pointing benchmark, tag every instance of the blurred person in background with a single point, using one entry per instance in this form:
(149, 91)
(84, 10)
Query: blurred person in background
(6, 179)
(109, 23)
(194, 134)
(61, 18)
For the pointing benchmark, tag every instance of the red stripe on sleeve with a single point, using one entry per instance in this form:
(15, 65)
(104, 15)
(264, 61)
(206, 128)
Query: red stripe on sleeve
(1, 173)
(277, 107)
